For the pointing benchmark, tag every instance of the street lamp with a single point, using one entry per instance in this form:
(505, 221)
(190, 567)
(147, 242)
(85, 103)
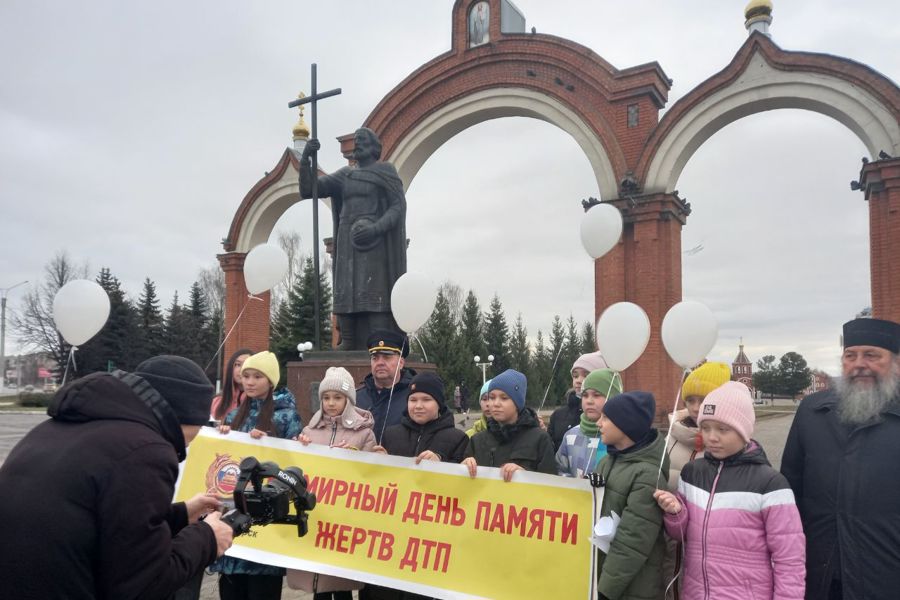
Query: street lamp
(304, 347)
(484, 366)
(3, 292)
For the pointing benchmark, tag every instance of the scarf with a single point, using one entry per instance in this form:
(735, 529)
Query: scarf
(588, 427)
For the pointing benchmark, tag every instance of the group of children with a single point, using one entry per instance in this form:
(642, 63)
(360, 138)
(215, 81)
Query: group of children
(702, 516)
(707, 497)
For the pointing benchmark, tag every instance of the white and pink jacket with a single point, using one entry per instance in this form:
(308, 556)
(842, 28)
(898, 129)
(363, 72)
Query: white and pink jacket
(741, 529)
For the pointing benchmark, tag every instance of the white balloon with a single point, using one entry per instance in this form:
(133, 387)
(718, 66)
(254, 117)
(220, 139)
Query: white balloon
(412, 300)
(265, 265)
(689, 331)
(623, 331)
(80, 310)
(601, 229)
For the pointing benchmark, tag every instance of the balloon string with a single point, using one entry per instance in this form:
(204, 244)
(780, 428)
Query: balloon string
(671, 422)
(71, 359)
(391, 395)
(552, 375)
(418, 341)
(612, 381)
(227, 335)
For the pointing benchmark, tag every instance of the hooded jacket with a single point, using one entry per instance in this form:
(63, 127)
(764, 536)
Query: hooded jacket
(847, 485)
(386, 408)
(479, 426)
(286, 425)
(685, 444)
(741, 529)
(87, 497)
(579, 453)
(353, 427)
(632, 569)
(522, 442)
(564, 418)
(440, 436)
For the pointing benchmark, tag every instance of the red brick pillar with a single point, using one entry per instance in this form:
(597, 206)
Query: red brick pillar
(645, 268)
(253, 329)
(881, 183)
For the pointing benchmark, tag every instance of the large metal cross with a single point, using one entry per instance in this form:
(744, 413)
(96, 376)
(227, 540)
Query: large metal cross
(313, 99)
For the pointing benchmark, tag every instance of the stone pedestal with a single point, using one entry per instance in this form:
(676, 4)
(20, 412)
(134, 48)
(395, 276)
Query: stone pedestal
(303, 377)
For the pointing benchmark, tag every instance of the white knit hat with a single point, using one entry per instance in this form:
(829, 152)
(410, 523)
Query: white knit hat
(338, 379)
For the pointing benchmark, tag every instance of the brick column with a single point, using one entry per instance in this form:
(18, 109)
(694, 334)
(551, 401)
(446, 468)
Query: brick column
(880, 181)
(253, 329)
(645, 268)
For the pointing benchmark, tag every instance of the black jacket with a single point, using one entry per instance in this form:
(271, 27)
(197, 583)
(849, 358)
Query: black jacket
(523, 443)
(86, 506)
(386, 408)
(564, 418)
(847, 486)
(440, 436)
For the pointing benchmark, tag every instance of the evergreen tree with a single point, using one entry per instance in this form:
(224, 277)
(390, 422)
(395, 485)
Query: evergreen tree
(114, 346)
(294, 320)
(472, 343)
(766, 377)
(519, 351)
(149, 323)
(794, 374)
(443, 345)
(496, 334)
(588, 338)
(560, 373)
(177, 338)
(205, 328)
(539, 376)
(571, 349)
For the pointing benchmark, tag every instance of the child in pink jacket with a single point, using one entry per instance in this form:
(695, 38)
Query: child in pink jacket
(339, 424)
(735, 514)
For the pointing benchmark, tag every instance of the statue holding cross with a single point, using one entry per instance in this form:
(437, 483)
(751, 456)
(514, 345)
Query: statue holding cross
(368, 210)
(369, 214)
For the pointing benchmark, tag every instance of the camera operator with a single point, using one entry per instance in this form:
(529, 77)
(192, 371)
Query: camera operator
(86, 506)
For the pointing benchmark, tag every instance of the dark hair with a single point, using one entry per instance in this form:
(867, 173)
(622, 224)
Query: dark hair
(229, 386)
(264, 420)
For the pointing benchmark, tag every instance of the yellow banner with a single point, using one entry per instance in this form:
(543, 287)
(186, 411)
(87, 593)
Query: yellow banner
(428, 528)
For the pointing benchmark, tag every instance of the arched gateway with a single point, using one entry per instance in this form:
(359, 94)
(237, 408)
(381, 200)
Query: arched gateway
(496, 69)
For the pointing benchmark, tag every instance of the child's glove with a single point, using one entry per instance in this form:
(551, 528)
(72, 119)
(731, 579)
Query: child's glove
(596, 479)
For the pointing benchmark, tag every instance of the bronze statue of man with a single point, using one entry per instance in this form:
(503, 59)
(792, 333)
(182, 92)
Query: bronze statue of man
(368, 209)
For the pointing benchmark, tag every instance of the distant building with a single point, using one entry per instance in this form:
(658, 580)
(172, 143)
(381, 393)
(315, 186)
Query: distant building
(818, 381)
(742, 368)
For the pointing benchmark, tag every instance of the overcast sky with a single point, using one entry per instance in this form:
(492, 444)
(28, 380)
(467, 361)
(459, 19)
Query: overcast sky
(132, 131)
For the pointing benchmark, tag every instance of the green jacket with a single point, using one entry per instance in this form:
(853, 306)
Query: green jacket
(633, 567)
(523, 443)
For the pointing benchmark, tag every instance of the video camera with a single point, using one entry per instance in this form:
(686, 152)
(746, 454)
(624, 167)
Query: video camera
(269, 502)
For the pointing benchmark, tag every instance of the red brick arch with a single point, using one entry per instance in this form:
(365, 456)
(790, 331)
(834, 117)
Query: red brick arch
(764, 77)
(613, 116)
(551, 72)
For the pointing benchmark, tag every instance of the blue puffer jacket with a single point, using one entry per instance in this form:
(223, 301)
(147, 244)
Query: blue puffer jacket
(579, 454)
(287, 425)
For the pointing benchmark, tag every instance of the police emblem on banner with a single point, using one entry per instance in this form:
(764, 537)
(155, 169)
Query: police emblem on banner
(222, 475)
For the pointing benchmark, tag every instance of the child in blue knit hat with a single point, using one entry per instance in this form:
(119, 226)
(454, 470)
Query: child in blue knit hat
(513, 430)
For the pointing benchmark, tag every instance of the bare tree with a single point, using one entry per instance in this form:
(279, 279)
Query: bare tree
(455, 298)
(291, 243)
(34, 322)
(212, 282)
